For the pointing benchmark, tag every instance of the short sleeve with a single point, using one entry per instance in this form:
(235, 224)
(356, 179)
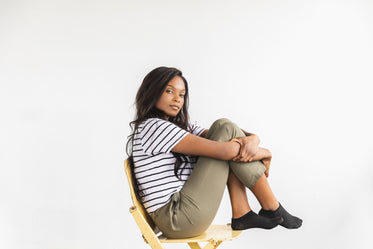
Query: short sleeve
(197, 130)
(160, 136)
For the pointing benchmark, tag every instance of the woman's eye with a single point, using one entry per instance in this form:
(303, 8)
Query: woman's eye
(182, 95)
(168, 91)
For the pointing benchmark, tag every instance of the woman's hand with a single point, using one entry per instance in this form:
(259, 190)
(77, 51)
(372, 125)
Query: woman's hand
(249, 148)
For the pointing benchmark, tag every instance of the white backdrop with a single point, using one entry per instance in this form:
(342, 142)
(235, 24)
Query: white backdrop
(297, 73)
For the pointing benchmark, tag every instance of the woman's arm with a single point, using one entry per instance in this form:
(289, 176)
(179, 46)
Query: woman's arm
(199, 146)
(249, 146)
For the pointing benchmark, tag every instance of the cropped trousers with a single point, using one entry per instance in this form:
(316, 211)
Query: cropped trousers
(191, 210)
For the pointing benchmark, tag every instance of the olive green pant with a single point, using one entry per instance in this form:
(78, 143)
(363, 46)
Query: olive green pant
(191, 211)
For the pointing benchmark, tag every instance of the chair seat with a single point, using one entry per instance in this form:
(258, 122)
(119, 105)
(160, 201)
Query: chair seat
(215, 232)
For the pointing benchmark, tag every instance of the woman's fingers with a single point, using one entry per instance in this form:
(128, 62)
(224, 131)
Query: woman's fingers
(243, 158)
(247, 152)
(240, 158)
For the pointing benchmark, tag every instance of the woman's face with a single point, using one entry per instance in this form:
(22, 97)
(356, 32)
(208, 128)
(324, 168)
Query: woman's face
(172, 99)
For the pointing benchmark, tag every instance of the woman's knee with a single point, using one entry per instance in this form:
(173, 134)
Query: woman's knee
(225, 124)
(221, 121)
(223, 130)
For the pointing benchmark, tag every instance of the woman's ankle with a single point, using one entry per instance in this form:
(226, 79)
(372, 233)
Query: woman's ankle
(273, 206)
(239, 213)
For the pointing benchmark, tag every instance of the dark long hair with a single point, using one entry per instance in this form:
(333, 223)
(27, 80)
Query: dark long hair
(151, 89)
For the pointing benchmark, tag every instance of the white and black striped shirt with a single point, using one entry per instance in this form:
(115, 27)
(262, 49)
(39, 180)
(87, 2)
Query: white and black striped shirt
(154, 161)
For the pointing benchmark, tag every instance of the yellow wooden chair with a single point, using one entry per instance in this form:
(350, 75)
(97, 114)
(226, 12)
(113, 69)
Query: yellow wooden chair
(214, 235)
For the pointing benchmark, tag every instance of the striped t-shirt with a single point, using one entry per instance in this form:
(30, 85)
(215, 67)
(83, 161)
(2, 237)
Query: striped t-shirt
(154, 161)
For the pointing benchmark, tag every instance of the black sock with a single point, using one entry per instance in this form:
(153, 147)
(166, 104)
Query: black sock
(290, 221)
(252, 220)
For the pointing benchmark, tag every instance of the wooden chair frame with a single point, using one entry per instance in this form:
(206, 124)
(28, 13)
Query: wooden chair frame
(214, 235)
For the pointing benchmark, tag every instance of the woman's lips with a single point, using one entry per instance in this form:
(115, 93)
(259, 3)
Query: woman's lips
(175, 107)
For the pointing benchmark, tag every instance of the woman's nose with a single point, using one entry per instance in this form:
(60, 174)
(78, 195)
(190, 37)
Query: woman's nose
(177, 98)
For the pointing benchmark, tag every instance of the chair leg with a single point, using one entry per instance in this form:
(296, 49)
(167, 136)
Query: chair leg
(194, 245)
(212, 244)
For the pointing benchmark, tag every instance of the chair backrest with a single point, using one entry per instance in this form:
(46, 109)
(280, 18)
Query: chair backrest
(137, 203)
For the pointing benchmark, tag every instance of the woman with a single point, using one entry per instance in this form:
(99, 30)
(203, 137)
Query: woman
(181, 169)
